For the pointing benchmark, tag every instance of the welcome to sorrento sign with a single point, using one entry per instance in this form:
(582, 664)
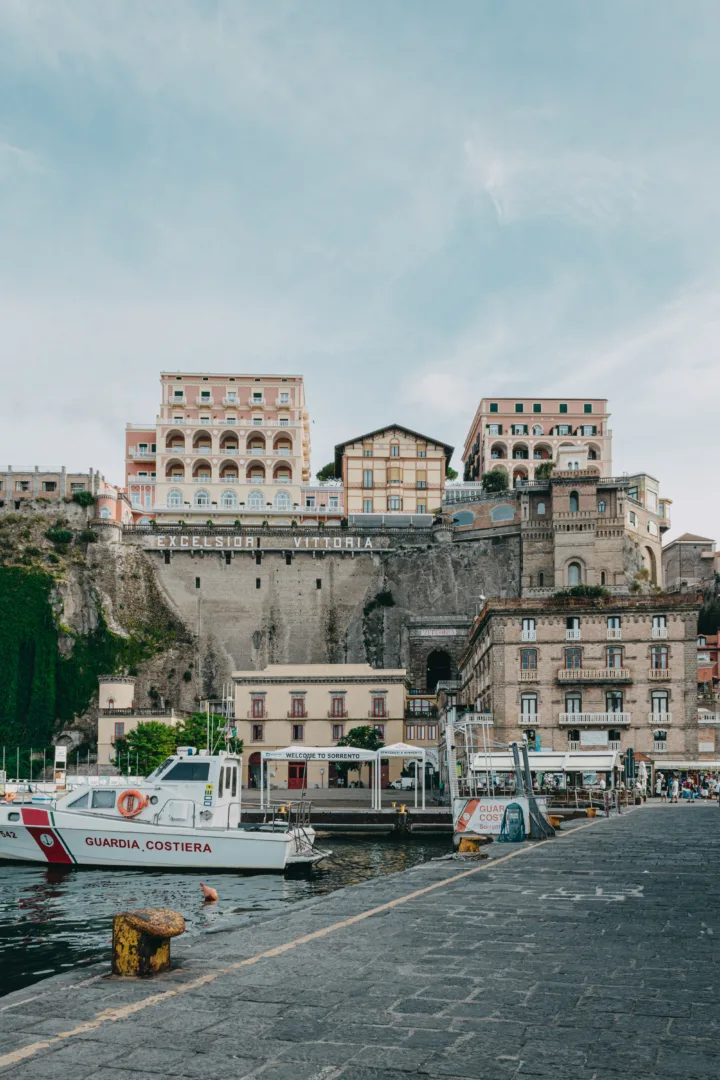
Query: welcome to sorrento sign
(225, 542)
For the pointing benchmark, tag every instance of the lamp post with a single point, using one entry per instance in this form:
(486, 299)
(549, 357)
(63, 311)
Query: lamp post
(322, 775)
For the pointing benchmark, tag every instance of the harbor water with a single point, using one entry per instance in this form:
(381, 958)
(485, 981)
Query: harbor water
(53, 920)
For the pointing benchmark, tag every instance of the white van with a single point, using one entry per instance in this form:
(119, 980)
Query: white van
(404, 783)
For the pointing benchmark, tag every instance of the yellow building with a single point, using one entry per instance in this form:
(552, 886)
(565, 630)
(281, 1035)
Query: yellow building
(392, 470)
(117, 715)
(315, 705)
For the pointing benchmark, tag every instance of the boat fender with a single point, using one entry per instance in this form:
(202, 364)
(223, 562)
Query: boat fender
(132, 802)
(9, 796)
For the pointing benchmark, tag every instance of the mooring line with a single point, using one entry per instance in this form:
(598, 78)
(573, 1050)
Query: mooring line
(124, 1011)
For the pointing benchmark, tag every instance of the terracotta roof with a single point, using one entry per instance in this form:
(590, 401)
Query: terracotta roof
(449, 450)
(693, 538)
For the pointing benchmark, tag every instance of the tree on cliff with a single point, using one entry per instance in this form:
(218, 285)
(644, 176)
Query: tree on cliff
(362, 738)
(496, 480)
(327, 472)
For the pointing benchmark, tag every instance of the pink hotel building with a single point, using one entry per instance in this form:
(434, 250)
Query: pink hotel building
(227, 447)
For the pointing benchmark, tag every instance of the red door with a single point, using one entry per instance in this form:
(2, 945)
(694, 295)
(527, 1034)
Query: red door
(296, 774)
(385, 774)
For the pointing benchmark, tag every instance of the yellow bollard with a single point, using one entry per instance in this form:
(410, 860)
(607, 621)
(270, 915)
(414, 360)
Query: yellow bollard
(141, 941)
(468, 844)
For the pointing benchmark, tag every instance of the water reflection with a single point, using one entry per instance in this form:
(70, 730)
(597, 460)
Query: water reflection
(52, 919)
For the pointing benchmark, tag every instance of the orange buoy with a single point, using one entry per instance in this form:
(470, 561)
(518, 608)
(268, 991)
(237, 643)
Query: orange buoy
(135, 800)
(209, 894)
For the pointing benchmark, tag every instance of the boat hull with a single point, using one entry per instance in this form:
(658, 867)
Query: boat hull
(71, 839)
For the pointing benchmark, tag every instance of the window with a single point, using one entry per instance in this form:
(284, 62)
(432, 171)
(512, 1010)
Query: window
(632, 518)
(284, 421)
(592, 455)
(310, 502)
(257, 708)
(421, 508)
(660, 700)
(367, 478)
(574, 574)
(528, 705)
(537, 407)
(333, 502)
(601, 506)
(284, 397)
(432, 732)
(614, 656)
(49, 485)
(422, 484)
(573, 737)
(105, 512)
(519, 407)
(573, 703)
(178, 394)
(614, 701)
(337, 731)
(394, 502)
(528, 659)
(378, 706)
(528, 629)
(495, 429)
(587, 408)
(563, 429)
(603, 577)
(614, 625)
(702, 641)
(103, 800)
(541, 576)
(502, 513)
(659, 658)
(519, 429)
(541, 508)
(258, 732)
(563, 408)
(135, 498)
(573, 659)
(337, 705)
(298, 732)
(195, 772)
(652, 528)
(228, 499)
(574, 502)
(394, 450)
(659, 626)
(297, 705)
(659, 740)
(493, 406)
(258, 583)
(119, 730)
(256, 500)
(202, 498)
(82, 801)
(380, 729)
(421, 452)
(282, 501)
(367, 506)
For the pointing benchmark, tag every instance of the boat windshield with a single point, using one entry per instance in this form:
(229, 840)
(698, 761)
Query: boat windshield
(156, 772)
(189, 770)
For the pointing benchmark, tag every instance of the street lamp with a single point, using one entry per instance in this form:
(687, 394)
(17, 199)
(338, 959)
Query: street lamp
(322, 774)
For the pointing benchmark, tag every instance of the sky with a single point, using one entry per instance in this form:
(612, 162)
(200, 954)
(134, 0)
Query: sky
(413, 204)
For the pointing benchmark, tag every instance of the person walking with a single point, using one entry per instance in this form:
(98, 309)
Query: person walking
(675, 790)
(716, 789)
(663, 790)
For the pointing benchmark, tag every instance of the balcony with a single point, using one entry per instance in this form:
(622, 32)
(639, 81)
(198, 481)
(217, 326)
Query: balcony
(614, 744)
(142, 453)
(594, 675)
(230, 402)
(257, 402)
(592, 719)
(204, 449)
(338, 715)
(419, 714)
(206, 401)
(614, 633)
(660, 674)
(178, 399)
(281, 403)
(528, 720)
(659, 747)
(573, 635)
(659, 631)
(253, 716)
(708, 719)
(229, 480)
(529, 675)
(529, 635)
(660, 719)
(378, 715)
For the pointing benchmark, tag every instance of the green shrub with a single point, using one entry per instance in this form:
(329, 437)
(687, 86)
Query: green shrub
(87, 536)
(84, 498)
(58, 535)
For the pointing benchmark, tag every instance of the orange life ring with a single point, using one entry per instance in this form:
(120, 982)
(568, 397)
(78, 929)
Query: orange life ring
(136, 800)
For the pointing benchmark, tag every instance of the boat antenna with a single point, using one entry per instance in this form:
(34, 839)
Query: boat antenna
(207, 720)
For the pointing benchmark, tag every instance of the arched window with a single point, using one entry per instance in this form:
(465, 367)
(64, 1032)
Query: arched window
(574, 574)
(652, 528)
(541, 508)
(175, 497)
(502, 513)
(592, 455)
(282, 501)
(541, 579)
(202, 498)
(660, 740)
(537, 429)
(256, 500)
(228, 499)
(111, 703)
(574, 502)
(601, 506)
(439, 666)
(464, 517)
(105, 513)
(603, 577)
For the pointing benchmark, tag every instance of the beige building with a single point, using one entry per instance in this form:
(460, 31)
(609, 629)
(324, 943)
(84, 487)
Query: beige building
(314, 705)
(117, 715)
(46, 482)
(392, 470)
(516, 435)
(223, 447)
(584, 673)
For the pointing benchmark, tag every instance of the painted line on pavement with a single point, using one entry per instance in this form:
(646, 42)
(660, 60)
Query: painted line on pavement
(124, 1011)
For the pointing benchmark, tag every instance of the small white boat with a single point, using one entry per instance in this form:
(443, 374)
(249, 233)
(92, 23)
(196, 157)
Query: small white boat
(184, 815)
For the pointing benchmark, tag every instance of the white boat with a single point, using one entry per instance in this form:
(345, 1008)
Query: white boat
(184, 815)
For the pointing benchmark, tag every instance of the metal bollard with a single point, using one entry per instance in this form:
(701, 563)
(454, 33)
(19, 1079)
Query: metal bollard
(141, 941)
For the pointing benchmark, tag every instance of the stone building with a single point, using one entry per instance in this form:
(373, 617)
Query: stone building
(392, 470)
(49, 482)
(580, 672)
(690, 563)
(315, 705)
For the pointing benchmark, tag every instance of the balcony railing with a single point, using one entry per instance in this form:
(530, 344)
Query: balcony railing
(588, 719)
(136, 712)
(418, 714)
(573, 635)
(529, 635)
(659, 631)
(660, 719)
(614, 633)
(659, 747)
(378, 715)
(660, 674)
(708, 719)
(256, 402)
(230, 402)
(142, 453)
(594, 675)
(208, 401)
(337, 715)
(528, 719)
(529, 675)
(280, 404)
(254, 716)
(614, 744)
(204, 449)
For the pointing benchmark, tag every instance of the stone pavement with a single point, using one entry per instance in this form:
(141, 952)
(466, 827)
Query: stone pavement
(593, 955)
